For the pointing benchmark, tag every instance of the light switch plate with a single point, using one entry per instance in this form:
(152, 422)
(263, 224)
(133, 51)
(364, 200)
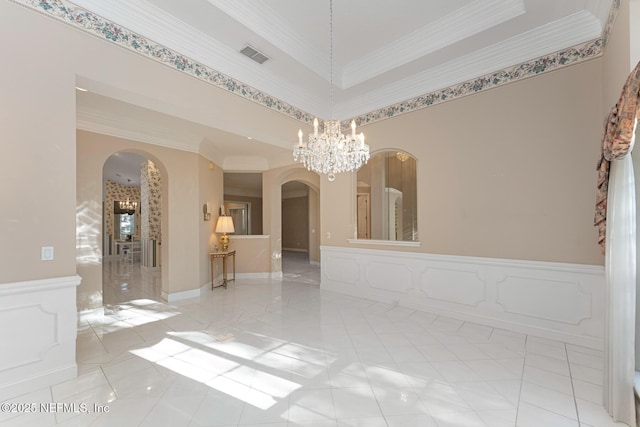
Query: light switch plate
(47, 253)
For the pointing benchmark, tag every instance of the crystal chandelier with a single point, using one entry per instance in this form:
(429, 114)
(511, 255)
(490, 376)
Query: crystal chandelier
(331, 152)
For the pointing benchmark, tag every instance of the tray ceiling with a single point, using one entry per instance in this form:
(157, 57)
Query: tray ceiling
(384, 52)
(390, 57)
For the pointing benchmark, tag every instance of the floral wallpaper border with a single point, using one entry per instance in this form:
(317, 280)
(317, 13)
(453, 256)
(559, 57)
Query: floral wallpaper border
(102, 28)
(522, 71)
(544, 64)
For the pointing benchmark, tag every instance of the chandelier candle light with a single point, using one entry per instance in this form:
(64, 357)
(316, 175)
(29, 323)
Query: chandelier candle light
(128, 206)
(331, 152)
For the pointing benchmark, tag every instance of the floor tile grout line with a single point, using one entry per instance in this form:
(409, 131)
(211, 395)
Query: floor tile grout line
(371, 320)
(573, 390)
(524, 363)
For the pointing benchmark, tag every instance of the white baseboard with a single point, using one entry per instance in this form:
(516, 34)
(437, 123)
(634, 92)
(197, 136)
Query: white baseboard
(178, 296)
(558, 301)
(38, 328)
(195, 293)
(264, 275)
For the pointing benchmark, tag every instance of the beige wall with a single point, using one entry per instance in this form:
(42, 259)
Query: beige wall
(211, 183)
(617, 59)
(252, 253)
(295, 223)
(38, 128)
(314, 225)
(272, 181)
(186, 184)
(507, 173)
(37, 137)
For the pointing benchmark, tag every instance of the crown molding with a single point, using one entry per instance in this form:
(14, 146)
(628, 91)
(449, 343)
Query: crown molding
(435, 82)
(94, 122)
(452, 28)
(518, 72)
(112, 32)
(190, 45)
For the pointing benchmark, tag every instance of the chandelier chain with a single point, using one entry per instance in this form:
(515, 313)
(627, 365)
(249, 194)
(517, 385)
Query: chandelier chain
(331, 58)
(330, 151)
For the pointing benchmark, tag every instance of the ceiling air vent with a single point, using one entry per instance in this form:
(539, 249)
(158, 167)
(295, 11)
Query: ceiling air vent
(252, 53)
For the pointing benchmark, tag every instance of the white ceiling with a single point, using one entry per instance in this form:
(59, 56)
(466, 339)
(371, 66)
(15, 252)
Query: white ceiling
(384, 52)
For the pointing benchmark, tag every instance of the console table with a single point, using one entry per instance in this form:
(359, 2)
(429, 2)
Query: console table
(224, 256)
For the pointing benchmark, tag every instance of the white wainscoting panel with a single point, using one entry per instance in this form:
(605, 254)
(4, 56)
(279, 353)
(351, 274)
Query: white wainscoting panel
(558, 301)
(38, 326)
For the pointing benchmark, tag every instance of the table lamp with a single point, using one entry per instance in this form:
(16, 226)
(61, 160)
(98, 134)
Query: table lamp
(224, 226)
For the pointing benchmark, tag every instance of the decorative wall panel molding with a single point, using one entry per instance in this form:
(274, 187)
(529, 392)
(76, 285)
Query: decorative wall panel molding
(530, 296)
(42, 328)
(388, 276)
(38, 325)
(463, 287)
(339, 269)
(558, 301)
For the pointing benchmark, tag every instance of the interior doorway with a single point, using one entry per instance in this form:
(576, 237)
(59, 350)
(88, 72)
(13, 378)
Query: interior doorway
(299, 230)
(131, 229)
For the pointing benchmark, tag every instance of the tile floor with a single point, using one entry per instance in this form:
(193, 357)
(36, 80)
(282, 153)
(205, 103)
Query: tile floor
(277, 353)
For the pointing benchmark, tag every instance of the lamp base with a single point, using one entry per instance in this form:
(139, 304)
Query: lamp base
(224, 242)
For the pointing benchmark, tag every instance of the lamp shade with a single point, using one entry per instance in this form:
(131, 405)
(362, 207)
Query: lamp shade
(225, 225)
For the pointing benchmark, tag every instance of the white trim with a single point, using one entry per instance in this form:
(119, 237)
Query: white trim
(249, 236)
(459, 24)
(38, 329)
(39, 285)
(295, 250)
(264, 275)
(182, 295)
(196, 293)
(620, 259)
(385, 242)
(558, 301)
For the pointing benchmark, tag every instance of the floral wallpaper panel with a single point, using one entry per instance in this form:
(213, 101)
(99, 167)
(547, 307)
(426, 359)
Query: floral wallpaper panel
(151, 199)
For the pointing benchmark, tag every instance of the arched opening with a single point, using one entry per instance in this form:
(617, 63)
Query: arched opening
(273, 224)
(386, 197)
(300, 219)
(132, 228)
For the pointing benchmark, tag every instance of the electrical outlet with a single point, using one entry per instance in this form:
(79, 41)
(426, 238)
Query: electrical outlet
(47, 253)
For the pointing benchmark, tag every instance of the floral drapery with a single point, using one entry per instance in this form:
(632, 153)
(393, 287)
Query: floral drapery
(617, 142)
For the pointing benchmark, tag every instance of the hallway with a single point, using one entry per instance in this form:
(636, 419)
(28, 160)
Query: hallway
(124, 281)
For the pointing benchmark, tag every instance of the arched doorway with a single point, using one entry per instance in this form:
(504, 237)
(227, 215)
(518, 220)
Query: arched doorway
(300, 221)
(132, 217)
